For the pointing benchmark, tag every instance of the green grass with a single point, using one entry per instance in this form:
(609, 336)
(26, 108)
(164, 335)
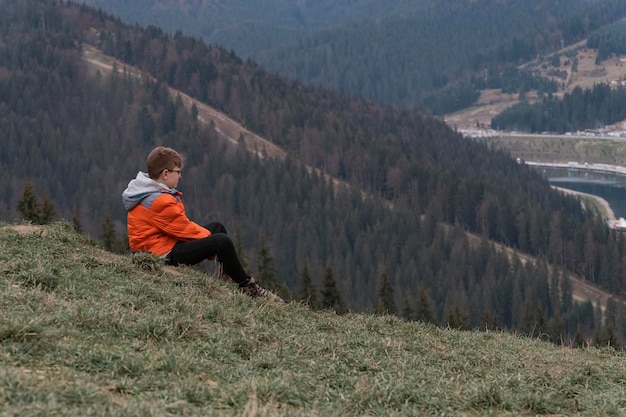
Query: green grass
(88, 333)
(537, 148)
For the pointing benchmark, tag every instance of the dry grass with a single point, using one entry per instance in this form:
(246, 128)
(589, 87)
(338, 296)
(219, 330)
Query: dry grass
(561, 148)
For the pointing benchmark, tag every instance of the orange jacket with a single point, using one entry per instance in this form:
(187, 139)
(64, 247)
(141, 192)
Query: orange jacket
(156, 217)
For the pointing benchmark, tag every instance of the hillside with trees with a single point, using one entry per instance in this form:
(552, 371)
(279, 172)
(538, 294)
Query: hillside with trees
(393, 238)
(609, 40)
(581, 109)
(593, 107)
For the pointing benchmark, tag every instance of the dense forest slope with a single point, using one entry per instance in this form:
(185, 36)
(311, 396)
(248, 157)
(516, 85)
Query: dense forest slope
(79, 134)
(231, 130)
(433, 53)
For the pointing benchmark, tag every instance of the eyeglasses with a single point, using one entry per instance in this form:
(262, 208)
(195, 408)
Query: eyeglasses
(178, 171)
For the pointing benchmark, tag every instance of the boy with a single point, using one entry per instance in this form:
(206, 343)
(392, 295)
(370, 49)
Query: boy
(157, 223)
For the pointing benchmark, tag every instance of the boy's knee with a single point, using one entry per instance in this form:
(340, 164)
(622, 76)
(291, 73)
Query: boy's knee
(222, 239)
(216, 227)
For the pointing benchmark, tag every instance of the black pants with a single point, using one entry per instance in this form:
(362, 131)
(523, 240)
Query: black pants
(218, 244)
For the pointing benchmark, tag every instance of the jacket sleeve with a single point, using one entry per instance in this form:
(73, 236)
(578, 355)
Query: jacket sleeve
(169, 216)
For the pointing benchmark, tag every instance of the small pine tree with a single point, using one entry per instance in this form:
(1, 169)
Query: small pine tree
(46, 211)
(556, 329)
(424, 310)
(76, 222)
(32, 211)
(407, 311)
(266, 270)
(606, 336)
(239, 247)
(331, 299)
(457, 318)
(533, 322)
(490, 319)
(108, 233)
(308, 293)
(27, 206)
(579, 339)
(386, 303)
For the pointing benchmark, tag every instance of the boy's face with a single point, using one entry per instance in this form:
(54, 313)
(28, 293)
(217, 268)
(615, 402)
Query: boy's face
(170, 177)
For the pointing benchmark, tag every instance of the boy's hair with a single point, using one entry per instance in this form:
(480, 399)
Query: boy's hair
(162, 158)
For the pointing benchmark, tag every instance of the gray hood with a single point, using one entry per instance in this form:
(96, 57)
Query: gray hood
(139, 188)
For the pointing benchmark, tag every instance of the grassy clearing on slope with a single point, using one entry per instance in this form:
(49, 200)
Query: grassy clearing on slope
(88, 333)
(561, 148)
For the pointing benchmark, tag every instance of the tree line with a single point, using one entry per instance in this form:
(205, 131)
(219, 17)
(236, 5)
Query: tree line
(582, 109)
(609, 40)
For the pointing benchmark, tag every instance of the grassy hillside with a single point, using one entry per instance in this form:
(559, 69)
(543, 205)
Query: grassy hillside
(561, 148)
(91, 334)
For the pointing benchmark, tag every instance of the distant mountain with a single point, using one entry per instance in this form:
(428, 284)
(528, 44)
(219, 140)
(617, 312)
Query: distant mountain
(432, 53)
(213, 18)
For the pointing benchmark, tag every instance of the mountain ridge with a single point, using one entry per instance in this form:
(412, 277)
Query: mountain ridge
(386, 55)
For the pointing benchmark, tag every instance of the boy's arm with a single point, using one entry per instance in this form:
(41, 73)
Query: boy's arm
(169, 216)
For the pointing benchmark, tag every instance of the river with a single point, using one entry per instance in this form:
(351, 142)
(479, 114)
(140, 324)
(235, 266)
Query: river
(609, 186)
